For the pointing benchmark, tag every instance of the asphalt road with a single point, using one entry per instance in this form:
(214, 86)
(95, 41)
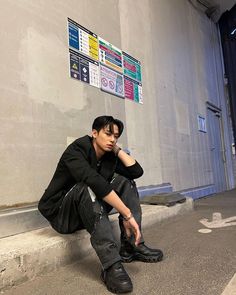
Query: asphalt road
(195, 263)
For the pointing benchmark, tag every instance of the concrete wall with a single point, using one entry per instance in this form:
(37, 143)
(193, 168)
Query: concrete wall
(41, 106)
(188, 73)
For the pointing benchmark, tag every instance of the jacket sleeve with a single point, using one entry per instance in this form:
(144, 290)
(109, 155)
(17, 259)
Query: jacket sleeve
(131, 172)
(81, 170)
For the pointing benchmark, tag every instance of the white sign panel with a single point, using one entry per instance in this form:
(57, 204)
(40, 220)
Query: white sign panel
(111, 81)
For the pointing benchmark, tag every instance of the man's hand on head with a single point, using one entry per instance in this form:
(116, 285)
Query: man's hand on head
(116, 149)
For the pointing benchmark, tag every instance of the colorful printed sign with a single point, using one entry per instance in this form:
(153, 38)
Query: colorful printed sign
(99, 63)
(132, 67)
(111, 81)
(110, 55)
(133, 90)
(82, 39)
(84, 69)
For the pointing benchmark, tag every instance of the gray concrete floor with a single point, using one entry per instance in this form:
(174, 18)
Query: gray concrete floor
(195, 263)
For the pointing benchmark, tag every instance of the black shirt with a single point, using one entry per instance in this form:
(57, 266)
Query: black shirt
(77, 164)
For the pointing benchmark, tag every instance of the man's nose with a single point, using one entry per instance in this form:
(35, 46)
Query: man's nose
(112, 138)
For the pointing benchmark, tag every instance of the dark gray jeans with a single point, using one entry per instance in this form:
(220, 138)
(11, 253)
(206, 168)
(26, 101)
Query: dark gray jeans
(80, 209)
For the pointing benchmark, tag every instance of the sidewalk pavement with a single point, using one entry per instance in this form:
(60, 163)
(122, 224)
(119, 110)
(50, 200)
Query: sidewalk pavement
(24, 256)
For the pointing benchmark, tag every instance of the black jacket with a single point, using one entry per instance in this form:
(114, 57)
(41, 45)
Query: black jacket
(77, 164)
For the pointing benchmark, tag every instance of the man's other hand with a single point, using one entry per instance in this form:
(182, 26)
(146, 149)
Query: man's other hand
(131, 226)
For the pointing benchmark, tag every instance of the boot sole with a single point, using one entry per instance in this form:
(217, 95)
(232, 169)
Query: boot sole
(141, 257)
(114, 290)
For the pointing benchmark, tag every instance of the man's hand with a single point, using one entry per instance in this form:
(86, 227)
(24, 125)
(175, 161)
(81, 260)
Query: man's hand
(116, 149)
(126, 159)
(129, 222)
(131, 226)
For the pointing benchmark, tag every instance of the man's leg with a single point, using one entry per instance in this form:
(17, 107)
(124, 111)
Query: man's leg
(127, 191)
(81, 209)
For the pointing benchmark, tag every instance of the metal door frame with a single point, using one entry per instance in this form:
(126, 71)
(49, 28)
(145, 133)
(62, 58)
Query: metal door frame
(218, 112)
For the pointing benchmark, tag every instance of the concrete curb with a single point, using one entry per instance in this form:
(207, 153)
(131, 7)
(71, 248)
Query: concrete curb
(24, 256)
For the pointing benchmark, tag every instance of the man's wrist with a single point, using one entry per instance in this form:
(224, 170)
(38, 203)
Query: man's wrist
(116, 150)
(128, 217)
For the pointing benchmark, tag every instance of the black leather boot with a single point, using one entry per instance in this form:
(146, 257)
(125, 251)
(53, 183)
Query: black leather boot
(141, 252)
(116, 279)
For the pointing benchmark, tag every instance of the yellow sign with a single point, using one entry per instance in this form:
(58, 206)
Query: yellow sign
(93, 47)
(75, 67)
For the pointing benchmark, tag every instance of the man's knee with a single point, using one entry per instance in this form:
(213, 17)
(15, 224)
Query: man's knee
(120, 179)
(81, 193)
(121, 184)
(90, 209)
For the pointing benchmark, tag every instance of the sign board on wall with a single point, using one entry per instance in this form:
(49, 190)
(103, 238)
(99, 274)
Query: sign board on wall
(132, 67)
(201, 123)
(101, 64)
(132, 78)
(112, 81)
(133, 90)
(82, 39)
(110, 55)
(84, 69)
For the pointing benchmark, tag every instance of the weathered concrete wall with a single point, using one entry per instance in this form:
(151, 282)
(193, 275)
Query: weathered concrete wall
(142, 122)
(188, 73)
(41, 106)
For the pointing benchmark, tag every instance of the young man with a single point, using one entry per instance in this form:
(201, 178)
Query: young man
(93, 176)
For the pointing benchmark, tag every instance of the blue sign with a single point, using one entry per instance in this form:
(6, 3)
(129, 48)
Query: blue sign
(84, 68)
(73, 36)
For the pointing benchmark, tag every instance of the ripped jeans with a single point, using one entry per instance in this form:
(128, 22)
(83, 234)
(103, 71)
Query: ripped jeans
(80, 209)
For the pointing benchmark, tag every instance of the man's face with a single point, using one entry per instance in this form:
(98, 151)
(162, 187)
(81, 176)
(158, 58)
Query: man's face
(105, 139)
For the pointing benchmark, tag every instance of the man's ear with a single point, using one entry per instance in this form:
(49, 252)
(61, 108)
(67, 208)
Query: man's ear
(94, 133)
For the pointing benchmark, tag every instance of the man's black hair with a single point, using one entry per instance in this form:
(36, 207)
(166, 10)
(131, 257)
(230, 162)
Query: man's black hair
(103, 121)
